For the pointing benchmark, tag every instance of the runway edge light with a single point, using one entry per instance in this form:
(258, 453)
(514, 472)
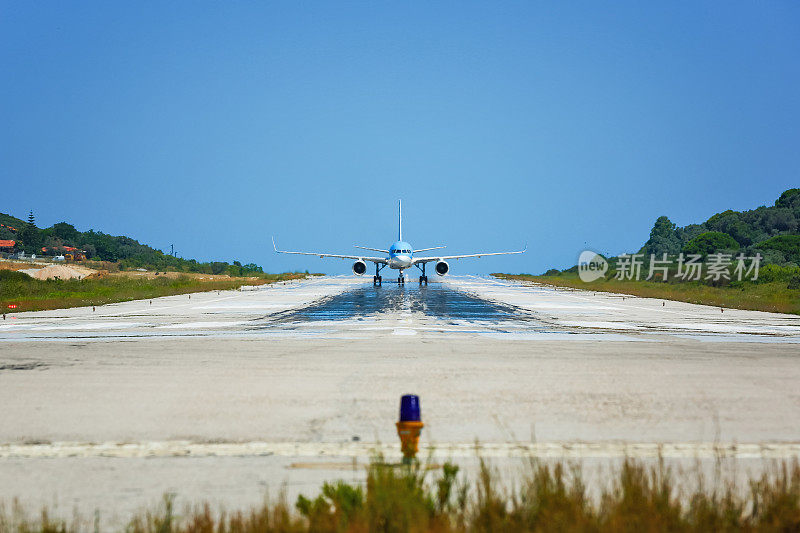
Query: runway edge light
(409, 426)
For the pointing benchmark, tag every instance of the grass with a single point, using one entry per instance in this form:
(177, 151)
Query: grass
(29, 294)
(771, 296)
(549, 497)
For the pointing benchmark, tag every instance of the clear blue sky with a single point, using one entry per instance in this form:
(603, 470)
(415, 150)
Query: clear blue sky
(214, 125)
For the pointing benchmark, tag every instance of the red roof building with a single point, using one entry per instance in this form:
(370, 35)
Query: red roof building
(70, 252)
(66, 248)
(7, 244)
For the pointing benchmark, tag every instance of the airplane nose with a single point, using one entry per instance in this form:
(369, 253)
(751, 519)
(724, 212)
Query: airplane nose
(403, 261)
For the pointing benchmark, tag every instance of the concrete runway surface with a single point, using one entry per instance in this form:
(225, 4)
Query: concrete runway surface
(220, 396)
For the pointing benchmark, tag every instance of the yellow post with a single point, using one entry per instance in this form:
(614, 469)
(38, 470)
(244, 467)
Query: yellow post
(409, 439)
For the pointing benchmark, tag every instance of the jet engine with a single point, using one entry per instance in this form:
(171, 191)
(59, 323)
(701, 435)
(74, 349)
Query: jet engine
(442, 268)
(359, 267)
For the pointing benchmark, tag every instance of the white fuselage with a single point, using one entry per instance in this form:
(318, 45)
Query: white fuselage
(400, 262)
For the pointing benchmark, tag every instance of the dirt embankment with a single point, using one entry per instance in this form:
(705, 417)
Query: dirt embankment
(74, 271)
(59, 272)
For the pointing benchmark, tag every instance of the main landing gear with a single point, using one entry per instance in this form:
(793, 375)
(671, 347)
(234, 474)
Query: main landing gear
(423, 278)
(376, 279)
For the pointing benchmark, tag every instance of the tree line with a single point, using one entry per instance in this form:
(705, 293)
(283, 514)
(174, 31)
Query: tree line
(99, 246)
(773, 232)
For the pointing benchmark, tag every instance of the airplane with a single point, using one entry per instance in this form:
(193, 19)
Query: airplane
(400, 256)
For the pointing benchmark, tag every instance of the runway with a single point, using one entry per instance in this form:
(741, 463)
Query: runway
(220, 395)
(346, 307)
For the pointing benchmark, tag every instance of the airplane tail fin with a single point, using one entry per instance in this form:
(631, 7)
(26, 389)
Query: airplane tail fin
(399, 220)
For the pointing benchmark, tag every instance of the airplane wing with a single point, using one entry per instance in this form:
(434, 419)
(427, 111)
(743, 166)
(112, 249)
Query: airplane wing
(418, 260)
(380, 260)
(429, 249)
(372, 249)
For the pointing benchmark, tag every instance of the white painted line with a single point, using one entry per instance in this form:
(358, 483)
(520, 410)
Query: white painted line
(555, 450)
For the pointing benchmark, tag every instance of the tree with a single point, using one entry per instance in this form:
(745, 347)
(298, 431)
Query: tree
(66, 232)
(711, 242)
(789, 198)
(90, 250)
(252, 267)
(734, 224)
(30, 236)
(663, 238)
(218, 267)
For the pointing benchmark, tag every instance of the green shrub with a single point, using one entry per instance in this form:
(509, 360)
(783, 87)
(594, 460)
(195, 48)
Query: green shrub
(711, 242)
(548, 497)
(771, 273)
(7, 276)
(788, 245)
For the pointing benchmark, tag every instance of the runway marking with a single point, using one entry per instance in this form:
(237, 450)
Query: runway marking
(155, 310)
(544, 450)
(711, 326)
(188, 303)
(587, 299)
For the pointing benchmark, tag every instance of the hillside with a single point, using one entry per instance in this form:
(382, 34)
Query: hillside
(772, 231)
(9, 226)
(127, 252)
